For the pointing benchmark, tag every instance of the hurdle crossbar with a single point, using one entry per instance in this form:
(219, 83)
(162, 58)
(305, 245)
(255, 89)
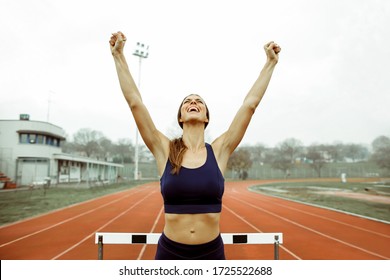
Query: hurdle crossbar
(152, 238)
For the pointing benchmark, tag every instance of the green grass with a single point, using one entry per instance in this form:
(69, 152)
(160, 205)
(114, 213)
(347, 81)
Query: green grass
(309, 192)
(19, 204)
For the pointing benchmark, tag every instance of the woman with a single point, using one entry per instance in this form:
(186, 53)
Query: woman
(191, 170)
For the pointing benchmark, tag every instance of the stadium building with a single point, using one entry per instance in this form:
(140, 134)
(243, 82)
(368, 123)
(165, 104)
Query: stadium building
(30, 154)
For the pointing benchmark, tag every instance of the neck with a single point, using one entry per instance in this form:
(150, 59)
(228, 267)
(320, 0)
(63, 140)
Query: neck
(193, 138)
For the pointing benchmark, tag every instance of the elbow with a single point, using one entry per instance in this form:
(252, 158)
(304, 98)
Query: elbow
(252, 108)
(251, 104)
(133, 101)
(133, 105)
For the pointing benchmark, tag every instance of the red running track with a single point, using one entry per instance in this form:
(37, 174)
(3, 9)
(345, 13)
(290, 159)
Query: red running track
(309, 233)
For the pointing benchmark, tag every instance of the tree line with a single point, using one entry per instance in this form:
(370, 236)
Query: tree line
(94, 144)
(285, 156)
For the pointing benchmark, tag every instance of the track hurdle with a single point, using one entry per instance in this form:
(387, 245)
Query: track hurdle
(102, 238)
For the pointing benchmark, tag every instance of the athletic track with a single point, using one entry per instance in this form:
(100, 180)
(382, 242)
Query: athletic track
(309, 233)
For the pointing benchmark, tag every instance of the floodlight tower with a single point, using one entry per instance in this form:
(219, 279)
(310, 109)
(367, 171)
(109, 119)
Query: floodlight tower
(142, 51)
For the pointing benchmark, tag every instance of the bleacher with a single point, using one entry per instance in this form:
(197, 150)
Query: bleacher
(6, 182)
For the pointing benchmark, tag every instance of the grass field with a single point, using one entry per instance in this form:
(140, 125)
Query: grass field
(19, 204)
(16, 205)
(366, 199)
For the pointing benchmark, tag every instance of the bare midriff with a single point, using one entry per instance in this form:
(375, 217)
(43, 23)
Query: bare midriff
(192, 228)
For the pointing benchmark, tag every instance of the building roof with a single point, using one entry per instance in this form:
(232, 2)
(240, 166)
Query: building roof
(84, 159)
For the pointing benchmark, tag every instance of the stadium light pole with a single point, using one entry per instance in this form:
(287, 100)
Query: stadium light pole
(142, 51)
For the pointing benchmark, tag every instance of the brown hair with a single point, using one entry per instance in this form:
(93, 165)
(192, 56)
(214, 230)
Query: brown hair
(177, 147)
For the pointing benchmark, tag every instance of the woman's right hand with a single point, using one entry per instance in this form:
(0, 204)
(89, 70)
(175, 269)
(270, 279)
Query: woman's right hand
(117, 43)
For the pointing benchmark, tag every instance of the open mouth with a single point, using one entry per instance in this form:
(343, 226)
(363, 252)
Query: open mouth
(193, 109)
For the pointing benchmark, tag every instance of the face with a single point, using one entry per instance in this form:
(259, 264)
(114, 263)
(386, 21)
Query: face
(193, 107)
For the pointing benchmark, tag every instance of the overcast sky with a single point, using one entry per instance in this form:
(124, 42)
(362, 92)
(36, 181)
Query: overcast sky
(331, 82)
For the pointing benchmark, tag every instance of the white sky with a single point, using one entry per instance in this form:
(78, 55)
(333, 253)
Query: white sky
(331, 83)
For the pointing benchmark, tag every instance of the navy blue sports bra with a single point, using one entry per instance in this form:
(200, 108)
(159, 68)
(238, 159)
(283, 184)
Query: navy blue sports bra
(193, 190)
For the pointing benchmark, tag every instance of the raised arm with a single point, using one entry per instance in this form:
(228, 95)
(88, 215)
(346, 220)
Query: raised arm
(157, 143)
(228, 141)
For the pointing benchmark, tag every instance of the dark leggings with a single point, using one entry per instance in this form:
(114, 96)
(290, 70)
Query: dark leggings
(170, 250)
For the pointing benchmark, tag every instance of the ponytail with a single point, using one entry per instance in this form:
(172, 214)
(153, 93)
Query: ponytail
(177, 149)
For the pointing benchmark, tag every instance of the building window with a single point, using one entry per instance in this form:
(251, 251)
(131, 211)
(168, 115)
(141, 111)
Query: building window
(32, 139)
(23, 138)
(40, 139)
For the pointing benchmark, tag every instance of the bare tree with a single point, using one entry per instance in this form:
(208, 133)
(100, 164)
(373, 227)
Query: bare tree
(123, 151)
(317, 157)
(240, 162)
(291, 148)
(86, 141)
(106, 148)
(335, 151)
(355, 152)
(285, 154)
(381, 152)
(257, 152)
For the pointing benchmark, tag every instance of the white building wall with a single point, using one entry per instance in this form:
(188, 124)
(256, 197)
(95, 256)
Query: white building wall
(12, 152)
(26, 162)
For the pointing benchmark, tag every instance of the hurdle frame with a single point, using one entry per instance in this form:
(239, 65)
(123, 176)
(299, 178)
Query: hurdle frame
(102, 238)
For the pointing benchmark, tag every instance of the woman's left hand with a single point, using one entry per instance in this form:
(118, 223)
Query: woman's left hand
(272, 50)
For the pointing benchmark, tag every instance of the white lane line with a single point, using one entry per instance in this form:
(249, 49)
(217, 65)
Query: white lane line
(258, 230)
(313, 230)
(322, 217)
(333, 220)
(100, 228)
(152, 230)
(324, 207)
(64, 221)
